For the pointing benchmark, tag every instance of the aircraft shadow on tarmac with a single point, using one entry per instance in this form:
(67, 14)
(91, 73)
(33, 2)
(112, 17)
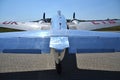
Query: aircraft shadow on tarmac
(69, 72)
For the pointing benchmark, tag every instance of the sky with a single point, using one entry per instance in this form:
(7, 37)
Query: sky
(30, 10)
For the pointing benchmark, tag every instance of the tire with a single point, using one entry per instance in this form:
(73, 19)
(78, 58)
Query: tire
(58, 68)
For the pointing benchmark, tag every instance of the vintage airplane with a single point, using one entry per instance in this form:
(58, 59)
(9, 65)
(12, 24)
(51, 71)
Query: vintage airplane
(58, 39)
(44, 24)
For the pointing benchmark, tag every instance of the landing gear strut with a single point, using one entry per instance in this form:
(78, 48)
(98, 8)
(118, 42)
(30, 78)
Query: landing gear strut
(58, 56)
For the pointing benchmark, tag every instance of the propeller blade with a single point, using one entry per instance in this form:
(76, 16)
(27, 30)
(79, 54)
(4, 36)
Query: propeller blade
(44, 16)
(74, 15)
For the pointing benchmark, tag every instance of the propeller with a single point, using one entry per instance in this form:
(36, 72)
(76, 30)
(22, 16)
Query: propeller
(73, 15)
(41, 20)
(74, 20)
(45, 19)
(44, 16)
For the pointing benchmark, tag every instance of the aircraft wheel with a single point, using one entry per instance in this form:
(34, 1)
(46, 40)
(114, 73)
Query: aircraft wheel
(58, 68)
(67, 27)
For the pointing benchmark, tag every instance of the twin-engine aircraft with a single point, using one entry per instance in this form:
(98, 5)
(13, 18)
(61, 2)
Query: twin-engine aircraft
(45, 24)
(58, 36)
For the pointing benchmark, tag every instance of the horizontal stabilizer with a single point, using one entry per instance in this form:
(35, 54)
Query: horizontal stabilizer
(75, 40)
(93, 42)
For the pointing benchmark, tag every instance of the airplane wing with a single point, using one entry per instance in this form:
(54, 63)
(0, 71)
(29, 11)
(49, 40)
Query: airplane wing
(25, 25)
(87, 25)
(93, 24)
(79, 41)
(42, 24)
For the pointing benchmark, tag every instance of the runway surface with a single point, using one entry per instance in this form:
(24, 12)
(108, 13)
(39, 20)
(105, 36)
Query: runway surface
(75, 67)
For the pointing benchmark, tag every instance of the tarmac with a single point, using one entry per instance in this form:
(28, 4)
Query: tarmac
(74, 67)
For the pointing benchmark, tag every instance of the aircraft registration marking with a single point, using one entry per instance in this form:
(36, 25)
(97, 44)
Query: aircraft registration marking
(103, 22)
(10, 22)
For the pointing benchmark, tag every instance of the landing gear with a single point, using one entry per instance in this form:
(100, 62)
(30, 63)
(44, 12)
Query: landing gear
(58, 68)
(58, 56)
(67, 27)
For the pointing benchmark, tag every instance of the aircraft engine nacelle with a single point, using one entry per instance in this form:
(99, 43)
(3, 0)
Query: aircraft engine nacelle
(75, 21)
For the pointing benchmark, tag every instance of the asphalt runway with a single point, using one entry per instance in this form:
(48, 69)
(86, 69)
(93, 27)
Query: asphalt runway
(75, 67)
